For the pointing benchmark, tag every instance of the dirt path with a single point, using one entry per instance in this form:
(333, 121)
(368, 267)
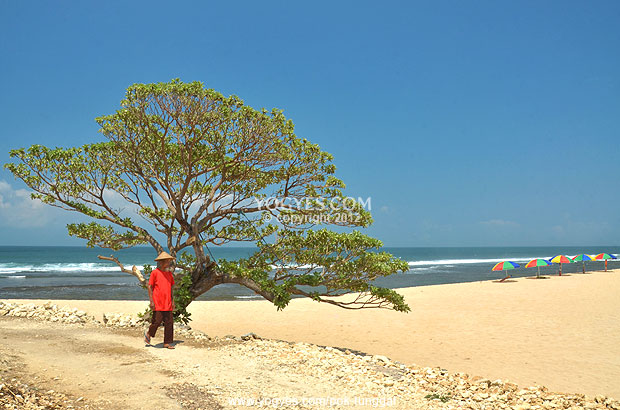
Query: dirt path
(108, 369)
(113, 369)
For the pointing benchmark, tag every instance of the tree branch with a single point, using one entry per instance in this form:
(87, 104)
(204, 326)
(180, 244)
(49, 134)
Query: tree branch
(134, 270)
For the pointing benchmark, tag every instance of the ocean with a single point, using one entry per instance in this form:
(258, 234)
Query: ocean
(61, 272)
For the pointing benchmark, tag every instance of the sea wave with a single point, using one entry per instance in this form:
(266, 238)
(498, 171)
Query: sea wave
(11, 268)
(289, 266)
(471, 261)
(518, 259)
(69, 286)
(53, 269)
(446, 263)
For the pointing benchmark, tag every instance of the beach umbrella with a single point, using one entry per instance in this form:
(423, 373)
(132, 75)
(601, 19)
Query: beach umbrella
(538, 263)
(505, 266)
(561, 259)
(583, 258)
(604, 256)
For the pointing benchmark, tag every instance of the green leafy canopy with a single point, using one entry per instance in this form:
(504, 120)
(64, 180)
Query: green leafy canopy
(184, 167)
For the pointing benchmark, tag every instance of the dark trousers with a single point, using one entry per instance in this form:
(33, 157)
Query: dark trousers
(158, 317)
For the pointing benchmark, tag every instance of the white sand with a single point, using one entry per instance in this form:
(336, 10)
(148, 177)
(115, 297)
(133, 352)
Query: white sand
(561, 332)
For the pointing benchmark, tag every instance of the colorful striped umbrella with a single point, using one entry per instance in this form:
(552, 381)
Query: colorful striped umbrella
(538, 263)
(583, 258)
(604, 256)
(561, 259)
(506, 265)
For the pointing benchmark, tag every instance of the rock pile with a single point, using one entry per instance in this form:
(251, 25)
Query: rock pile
(54, 313)
(48, 311)
(119, 320)
(366, 376)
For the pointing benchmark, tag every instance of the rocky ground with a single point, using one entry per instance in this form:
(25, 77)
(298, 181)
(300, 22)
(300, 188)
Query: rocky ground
(16, 394)
(103, 365)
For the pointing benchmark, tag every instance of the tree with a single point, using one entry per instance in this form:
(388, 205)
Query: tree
(195, 169)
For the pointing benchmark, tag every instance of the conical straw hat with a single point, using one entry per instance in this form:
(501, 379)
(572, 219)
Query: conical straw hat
(163, 256)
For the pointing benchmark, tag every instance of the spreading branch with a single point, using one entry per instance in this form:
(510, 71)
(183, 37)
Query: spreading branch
(134, 271)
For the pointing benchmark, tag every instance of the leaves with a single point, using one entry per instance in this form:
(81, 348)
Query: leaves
(104, 236)
(322, 264)
(185, 166)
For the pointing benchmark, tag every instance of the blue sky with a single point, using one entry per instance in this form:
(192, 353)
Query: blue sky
(486, 123)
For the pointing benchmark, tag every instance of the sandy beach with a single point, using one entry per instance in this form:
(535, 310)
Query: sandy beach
(560, 332)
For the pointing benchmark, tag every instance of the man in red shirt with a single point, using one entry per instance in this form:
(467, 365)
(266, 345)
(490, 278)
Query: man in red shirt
(162, 303)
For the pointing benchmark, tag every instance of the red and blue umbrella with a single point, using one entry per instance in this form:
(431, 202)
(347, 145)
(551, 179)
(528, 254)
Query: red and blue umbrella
(561, 259)
(538, 263)
(505, 266)
(604, 256)
(583, 258)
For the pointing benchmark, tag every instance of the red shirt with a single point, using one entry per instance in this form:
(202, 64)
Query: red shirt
(161, 282)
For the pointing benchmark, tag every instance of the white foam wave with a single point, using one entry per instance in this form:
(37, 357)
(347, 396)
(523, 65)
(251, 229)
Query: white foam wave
(470, 261)
(248, 297)
(9, 268)
(293, 266)
(15, 277)
(420, 269)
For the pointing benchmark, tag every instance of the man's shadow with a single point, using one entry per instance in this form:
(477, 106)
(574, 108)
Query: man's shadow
(174, 343)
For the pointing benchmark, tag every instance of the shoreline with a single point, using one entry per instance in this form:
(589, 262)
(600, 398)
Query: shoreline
(546, 332)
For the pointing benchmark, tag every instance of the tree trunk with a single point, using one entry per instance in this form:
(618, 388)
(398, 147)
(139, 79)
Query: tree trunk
(209, 277)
